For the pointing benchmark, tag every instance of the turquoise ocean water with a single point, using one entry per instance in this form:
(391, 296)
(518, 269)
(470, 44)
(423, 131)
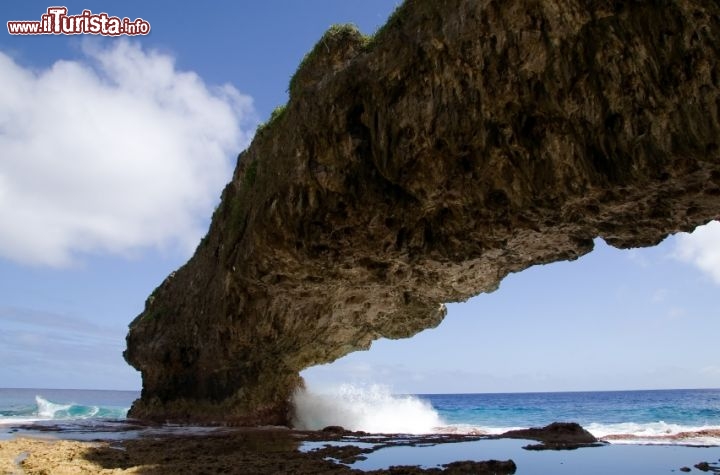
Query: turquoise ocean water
(662, 416)
(682, 417)
(34, 405)
(67, 413)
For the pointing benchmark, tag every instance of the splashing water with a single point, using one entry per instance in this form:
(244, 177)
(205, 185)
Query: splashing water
(370, 409)
(49, 409)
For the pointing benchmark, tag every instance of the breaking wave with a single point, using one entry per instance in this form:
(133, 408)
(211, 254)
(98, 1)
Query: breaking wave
(371, 409)
(47, 410)
(50, 410)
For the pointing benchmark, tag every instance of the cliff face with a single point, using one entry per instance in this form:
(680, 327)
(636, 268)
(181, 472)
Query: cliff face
(467, 140)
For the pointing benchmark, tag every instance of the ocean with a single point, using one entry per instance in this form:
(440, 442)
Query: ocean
(34, 405)
(70, 413)
(682, 417)
(667, 417)
(659, 416)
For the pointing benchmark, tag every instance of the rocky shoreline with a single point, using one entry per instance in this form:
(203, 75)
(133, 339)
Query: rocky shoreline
(276, 450)
(332, 450)
(255, 451)
(238, 450)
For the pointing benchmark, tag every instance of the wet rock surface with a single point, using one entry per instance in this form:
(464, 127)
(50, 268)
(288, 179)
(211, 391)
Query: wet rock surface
(465, 467)
(708, 467)
(244, 451)
(466, 141)
(556, 436)
(192, 450)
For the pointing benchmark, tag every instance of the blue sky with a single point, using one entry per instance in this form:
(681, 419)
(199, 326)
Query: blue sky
(113, 154)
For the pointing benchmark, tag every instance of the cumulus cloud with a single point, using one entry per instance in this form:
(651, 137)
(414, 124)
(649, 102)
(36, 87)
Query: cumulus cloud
(702, 249)
(116, 152)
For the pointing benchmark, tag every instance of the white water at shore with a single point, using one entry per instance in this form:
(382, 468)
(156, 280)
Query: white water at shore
(373, 408)
(370, 409)
(656, 433)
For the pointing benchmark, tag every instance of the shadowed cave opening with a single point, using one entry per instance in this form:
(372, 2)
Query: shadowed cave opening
(613, 320)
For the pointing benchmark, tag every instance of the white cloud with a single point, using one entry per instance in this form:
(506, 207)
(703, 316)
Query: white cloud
(111, 154)
(702, 249)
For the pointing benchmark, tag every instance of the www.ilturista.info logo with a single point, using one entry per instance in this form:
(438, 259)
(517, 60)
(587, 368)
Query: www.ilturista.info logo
(57, 22)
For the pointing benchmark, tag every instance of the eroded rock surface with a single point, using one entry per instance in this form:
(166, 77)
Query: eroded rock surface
(467, 140)
(556, 436)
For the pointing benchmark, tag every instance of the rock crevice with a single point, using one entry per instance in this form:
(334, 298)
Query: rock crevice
(465, 141)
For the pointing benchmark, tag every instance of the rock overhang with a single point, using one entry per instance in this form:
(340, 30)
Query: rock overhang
(466, 141)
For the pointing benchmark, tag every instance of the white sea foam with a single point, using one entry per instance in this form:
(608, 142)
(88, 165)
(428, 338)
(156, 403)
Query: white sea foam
(656, 433)
(650, 429)
(371, 409)
(14, 420)
(659, 433)
(469, 429)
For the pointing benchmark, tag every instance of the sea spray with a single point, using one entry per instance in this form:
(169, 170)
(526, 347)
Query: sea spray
(364, 408)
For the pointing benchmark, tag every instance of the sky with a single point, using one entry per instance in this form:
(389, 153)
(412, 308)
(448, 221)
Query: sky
(113, 154)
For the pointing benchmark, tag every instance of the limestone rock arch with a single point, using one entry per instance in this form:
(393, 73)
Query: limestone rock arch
(465, 141)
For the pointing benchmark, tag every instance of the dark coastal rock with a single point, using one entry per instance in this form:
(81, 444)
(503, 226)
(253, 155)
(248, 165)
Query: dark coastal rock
(487, 467)
(346, 454)
(467, 140)
(708, 467)
(334, 429)
(556, 436)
